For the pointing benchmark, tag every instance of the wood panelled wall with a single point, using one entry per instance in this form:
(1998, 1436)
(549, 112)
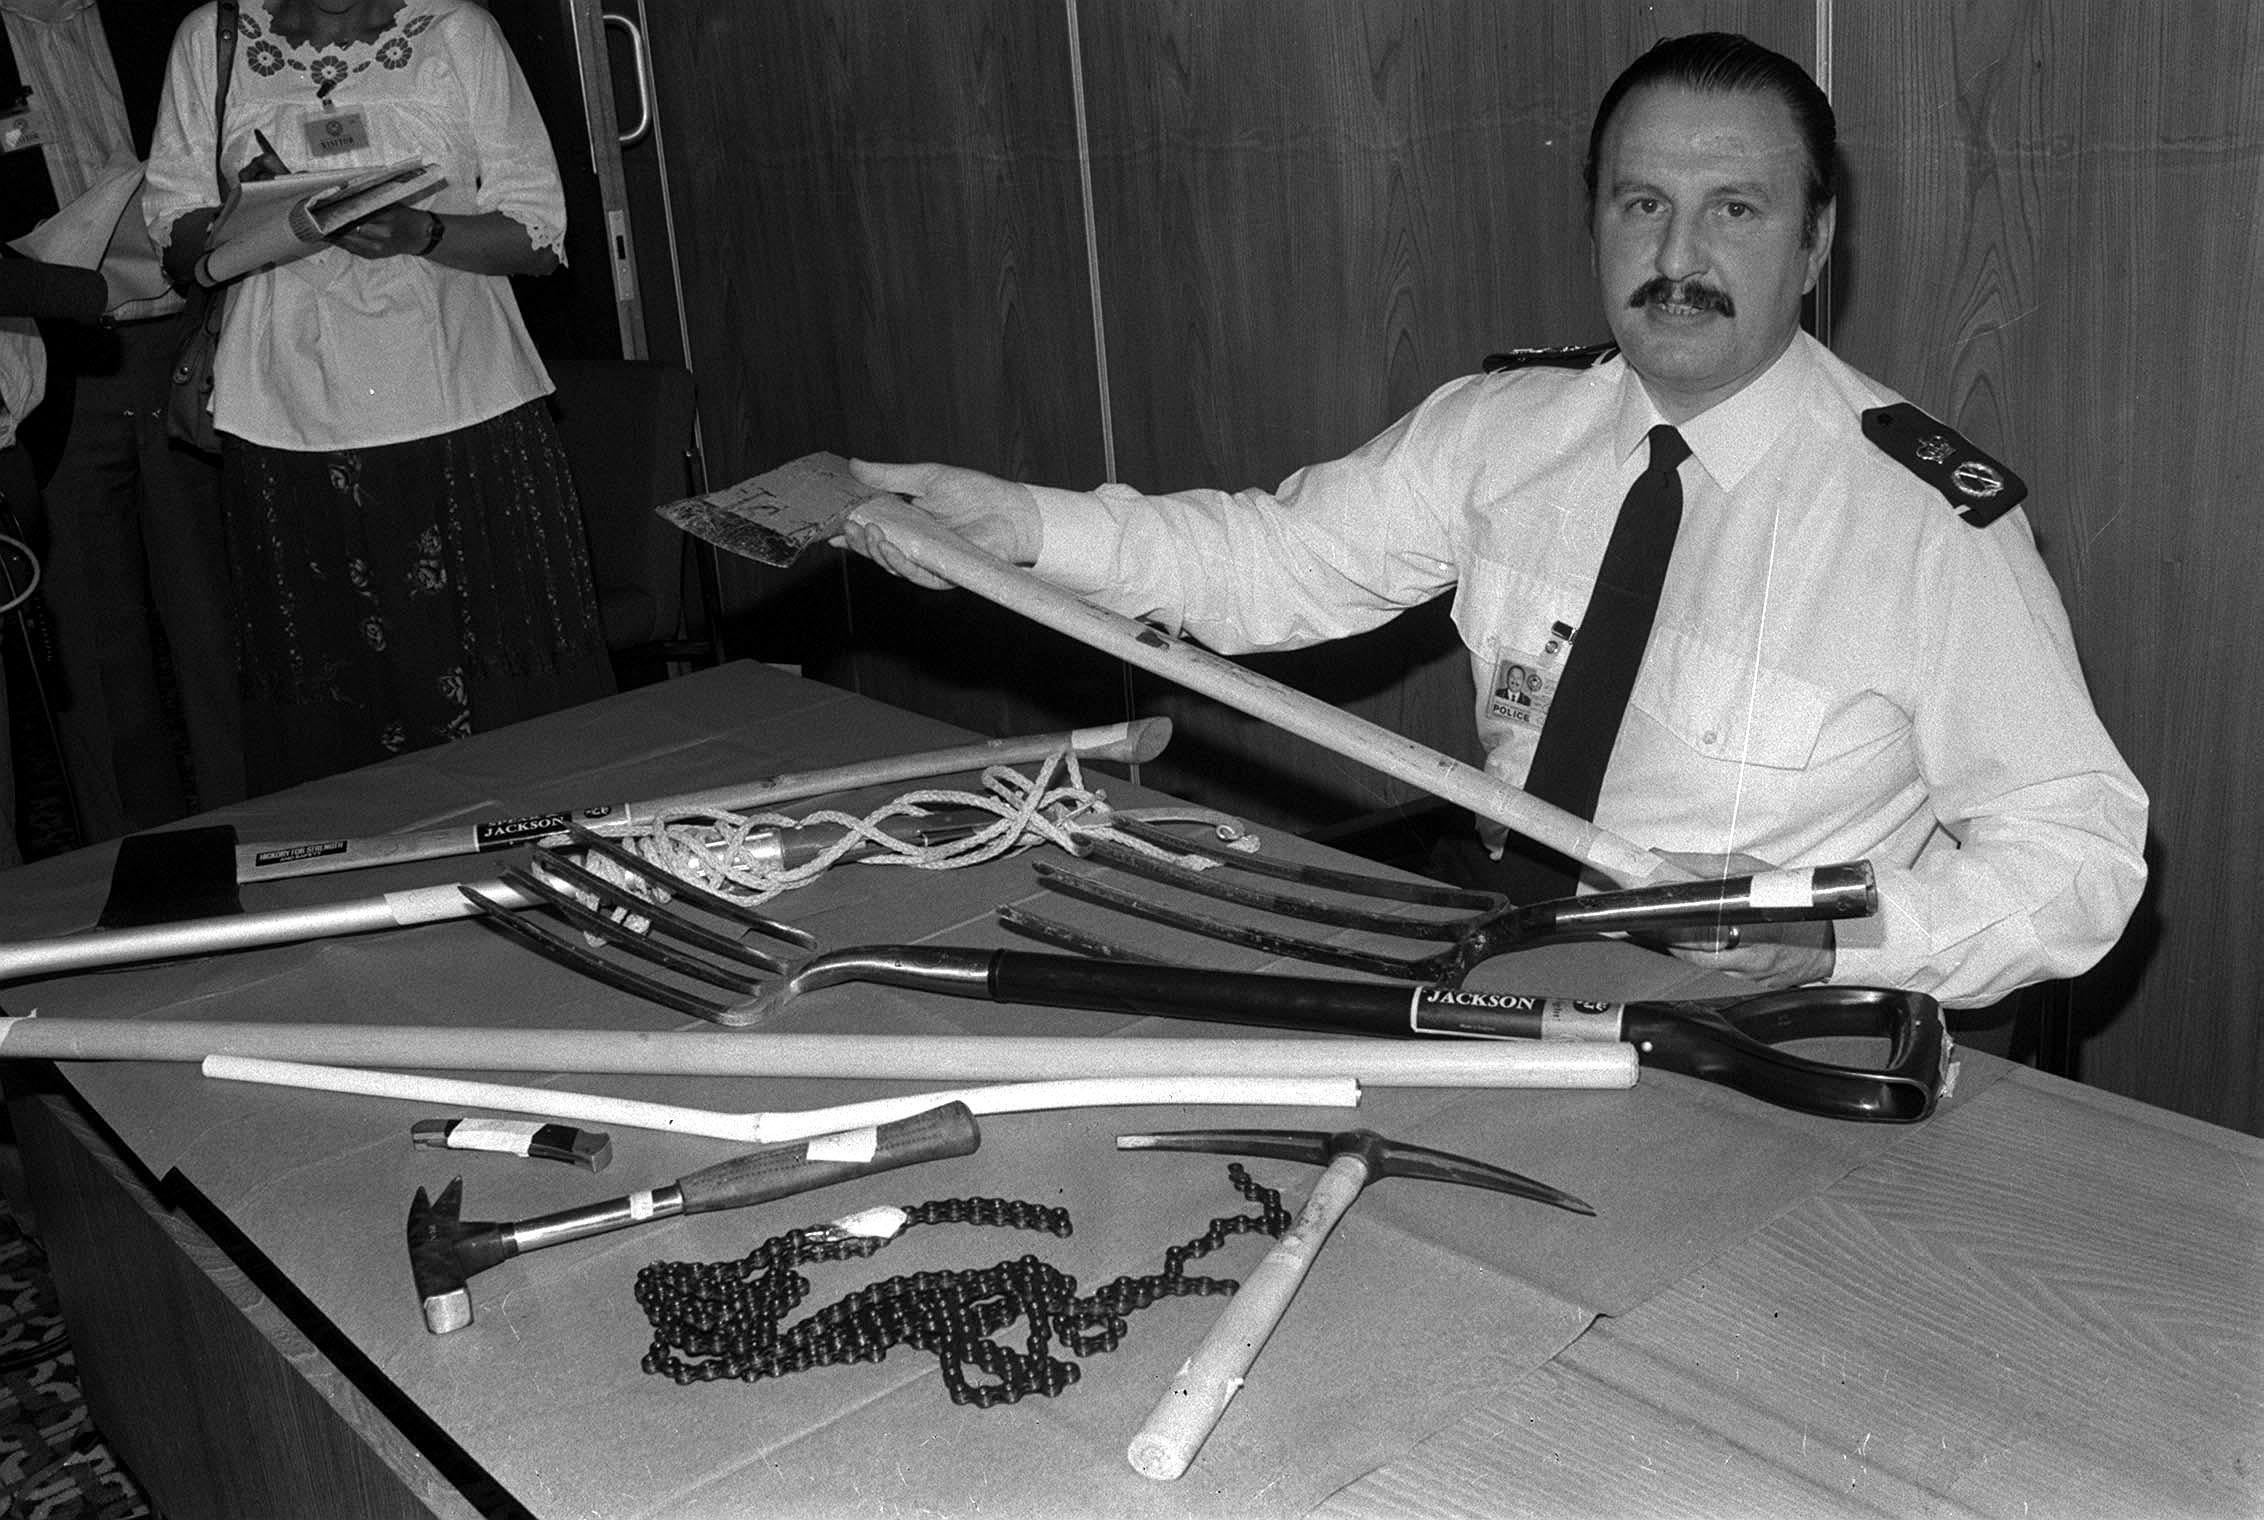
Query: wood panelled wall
(2054, 239)
(1304, 214)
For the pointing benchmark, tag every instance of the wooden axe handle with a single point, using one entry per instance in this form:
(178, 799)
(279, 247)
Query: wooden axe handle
(939, 550)
(1130, 743)
(1184, 1418)
(28, 960)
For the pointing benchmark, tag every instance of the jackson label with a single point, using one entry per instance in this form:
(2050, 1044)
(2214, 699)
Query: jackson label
(1511, 1016)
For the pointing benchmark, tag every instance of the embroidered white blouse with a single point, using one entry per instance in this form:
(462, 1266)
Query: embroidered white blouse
(334, 351)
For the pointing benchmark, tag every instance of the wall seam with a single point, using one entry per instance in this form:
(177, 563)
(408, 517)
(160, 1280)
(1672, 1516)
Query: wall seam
(1822, 73)
(1093, 290)
(1092, 242)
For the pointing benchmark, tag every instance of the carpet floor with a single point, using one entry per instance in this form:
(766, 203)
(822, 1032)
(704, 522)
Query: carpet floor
(53, 1463)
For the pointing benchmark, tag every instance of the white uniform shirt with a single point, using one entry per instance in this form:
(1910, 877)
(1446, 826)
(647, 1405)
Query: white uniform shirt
(1841, 668)
(334, 351)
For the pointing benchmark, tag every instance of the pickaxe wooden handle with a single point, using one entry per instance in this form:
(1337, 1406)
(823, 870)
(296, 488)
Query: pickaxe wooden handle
(1183, 1419)
(1351, 1160)
(937, 549)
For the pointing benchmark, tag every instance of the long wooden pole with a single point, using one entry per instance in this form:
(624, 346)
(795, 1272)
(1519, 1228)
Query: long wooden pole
(1133, 742)
(956, 1058)
(944, 553)
(775, 1128)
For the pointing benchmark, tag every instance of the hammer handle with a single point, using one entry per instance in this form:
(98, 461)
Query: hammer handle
(1183, 1419)
(778, 1171)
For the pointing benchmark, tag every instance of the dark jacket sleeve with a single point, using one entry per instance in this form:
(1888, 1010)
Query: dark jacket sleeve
(31, 288)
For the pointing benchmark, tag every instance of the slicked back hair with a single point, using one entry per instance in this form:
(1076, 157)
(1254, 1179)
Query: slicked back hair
(1727, 64)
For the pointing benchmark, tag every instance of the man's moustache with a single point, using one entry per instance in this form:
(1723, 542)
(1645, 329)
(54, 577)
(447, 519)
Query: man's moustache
(1683, 293)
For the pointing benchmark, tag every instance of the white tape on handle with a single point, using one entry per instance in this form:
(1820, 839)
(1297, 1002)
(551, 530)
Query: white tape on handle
(510, 1137)
(856, 1146)
(1789, 888)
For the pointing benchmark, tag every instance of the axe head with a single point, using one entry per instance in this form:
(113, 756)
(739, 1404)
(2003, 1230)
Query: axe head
(773, 517)
(173, 874)
(1383, 1157)
(446, 1251)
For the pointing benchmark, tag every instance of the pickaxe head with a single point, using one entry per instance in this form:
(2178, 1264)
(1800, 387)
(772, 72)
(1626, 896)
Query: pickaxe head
(1383, 1158)
(446, 1252)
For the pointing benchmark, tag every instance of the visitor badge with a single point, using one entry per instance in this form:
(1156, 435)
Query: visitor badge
(336, 132)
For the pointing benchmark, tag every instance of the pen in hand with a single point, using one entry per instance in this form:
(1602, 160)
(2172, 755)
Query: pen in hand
(269, 164)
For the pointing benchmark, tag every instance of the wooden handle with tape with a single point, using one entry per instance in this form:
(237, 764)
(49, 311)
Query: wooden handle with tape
(1129, 743)
(1187, 1413)
(822, 1160)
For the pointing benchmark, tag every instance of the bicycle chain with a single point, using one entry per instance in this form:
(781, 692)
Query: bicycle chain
(714, 1320)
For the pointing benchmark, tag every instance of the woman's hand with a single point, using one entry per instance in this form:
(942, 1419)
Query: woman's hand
(476, 242)
(389, 234)
(268, 165)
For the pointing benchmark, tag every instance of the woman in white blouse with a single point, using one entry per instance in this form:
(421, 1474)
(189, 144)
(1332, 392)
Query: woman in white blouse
(407, 547)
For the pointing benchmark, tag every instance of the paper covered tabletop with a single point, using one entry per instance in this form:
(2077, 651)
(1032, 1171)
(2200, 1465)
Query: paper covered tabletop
(1426, 1298)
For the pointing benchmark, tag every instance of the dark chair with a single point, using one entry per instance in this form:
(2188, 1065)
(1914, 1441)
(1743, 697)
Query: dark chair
(630, 430)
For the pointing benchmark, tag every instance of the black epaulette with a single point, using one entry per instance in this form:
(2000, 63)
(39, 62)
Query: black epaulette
(1981, 489)
(1553, 358)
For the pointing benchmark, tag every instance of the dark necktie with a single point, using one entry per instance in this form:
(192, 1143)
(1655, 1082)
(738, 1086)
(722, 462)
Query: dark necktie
(1599, 672)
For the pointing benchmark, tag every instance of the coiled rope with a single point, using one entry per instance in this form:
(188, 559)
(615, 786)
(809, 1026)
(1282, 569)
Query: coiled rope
(733, 855)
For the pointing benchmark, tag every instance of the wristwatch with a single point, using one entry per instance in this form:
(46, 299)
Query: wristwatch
(439, 231)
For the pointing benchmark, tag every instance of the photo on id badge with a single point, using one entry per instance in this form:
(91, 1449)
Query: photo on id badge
(1524, 681)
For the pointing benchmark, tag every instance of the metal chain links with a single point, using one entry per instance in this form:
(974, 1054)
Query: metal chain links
(715, 1320)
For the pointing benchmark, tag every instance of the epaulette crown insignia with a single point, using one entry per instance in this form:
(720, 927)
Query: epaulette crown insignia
(1981, 489)
(1584, 357)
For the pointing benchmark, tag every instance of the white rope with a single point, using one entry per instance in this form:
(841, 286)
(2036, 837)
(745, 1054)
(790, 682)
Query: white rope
(723, 852)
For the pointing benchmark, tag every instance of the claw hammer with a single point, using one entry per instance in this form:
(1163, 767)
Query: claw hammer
(1198, 1396)
(446, 1251)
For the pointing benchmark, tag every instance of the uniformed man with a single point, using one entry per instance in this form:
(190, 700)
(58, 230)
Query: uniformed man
(1852, 651)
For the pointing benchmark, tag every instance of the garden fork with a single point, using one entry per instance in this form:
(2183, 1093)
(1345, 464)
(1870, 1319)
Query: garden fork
(1733, 1043)
(1476, 926)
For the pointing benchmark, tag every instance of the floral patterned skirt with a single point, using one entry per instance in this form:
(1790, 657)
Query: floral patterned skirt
(397, 597)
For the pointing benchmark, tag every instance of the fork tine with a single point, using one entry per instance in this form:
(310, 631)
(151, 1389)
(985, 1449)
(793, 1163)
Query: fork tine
(692, 891)
(1050, 931)
(1090, 889)
(1215, 884)
(631, 941)
(1429, 894)
(664, 918)
(590, 963)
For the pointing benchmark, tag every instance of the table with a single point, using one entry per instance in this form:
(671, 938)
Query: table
(2041, 1301)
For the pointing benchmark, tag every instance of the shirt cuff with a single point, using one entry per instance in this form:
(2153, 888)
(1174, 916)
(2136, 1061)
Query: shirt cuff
(1078, 552)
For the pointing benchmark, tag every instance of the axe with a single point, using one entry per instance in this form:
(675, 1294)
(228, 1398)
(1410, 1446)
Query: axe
(1185, 1416)
(447, 1251)
(774, 517)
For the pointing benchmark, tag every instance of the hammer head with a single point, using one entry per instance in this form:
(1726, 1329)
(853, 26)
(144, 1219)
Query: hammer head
(1383, 1158)
(446, 1252)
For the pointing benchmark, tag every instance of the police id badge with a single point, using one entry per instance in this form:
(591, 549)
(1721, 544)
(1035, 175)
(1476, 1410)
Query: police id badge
(1524, 682)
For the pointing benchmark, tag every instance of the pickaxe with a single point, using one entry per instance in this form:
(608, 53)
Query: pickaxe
(446, 1252)
(1183, 1419)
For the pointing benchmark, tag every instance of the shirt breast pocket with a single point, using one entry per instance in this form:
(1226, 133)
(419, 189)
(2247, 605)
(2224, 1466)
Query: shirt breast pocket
(1503, 613)
(1725, 706)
